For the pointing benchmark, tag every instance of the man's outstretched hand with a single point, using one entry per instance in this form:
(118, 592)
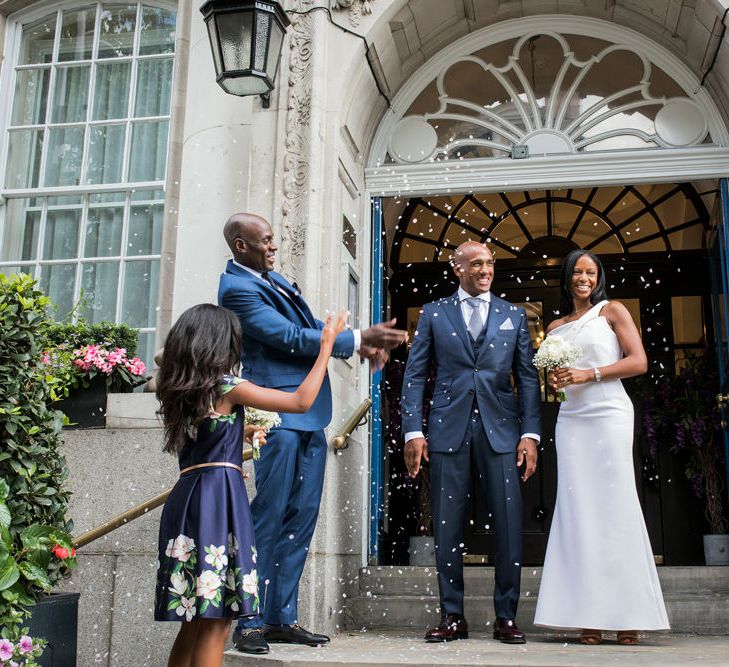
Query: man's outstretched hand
(384, 335)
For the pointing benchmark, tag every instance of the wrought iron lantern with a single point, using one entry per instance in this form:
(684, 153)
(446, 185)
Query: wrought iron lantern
(246, 39)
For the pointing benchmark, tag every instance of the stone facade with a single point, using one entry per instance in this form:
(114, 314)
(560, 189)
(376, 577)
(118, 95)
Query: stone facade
(301, 165)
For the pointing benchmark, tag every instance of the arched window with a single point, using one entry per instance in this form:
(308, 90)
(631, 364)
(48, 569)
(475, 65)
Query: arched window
(536, 225)
(84, 157)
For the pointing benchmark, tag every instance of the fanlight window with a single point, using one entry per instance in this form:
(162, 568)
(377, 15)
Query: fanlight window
(548, 223)
(552, 93)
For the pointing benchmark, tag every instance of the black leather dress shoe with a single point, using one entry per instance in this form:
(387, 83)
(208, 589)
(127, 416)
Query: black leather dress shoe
(250, 641)
(453, 626)
(292, 634)
(507, 632)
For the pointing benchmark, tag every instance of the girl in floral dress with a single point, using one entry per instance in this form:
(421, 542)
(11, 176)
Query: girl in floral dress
(207, 554)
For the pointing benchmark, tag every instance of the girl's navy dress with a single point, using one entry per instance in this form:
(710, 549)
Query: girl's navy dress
(207, 554)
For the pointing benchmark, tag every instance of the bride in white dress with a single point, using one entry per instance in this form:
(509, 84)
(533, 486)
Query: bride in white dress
(599, 572)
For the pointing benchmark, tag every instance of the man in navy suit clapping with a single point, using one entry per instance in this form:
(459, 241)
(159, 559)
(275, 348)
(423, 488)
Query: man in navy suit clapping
(281, 339)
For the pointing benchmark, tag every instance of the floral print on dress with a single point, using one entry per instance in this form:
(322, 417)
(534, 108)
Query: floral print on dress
(227, 384)
(191, 593)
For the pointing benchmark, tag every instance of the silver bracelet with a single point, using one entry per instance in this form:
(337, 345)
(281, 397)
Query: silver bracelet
(598, 375)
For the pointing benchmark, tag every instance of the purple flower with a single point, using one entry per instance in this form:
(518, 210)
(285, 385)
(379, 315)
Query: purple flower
(6, 649)
(25, 644)
(697, 430)
(680, 436)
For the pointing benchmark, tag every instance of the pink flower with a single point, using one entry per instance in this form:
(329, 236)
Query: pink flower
(46, 358)
(136, 366)
(6, 649)
(25, 644)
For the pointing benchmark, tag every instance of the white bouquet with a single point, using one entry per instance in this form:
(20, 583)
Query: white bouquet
(555, 352)
(265, 421)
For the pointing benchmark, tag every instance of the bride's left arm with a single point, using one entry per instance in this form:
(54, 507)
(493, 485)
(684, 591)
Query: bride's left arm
(634, 361)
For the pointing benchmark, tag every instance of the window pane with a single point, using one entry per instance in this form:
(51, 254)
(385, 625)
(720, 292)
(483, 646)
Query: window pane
(106, 153)
(111, 93)
(154, 84)
(37, 43)
(108, 198)
(145, 349)
(77, 34)
(70, 93)
(31, 96)
(57, 281)
(8, 270)
(148, 195)
(117, 30)
(149, 151)
(158, 31)
(61, 234)
(24, 156)
(99, 282)
(103, 232)
(145, 230)
(140, 293)
(20, 236)
(63, 163)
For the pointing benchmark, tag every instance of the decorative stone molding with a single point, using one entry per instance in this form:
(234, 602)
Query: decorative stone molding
(356, 8)
(297, 140)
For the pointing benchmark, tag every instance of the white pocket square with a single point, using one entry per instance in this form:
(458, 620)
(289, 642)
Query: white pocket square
(506, 325)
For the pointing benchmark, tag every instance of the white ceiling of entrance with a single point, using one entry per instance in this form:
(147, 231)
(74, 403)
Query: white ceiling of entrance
(554, 93)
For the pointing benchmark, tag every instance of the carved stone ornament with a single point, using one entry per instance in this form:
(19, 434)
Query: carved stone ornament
(356, 8)
(298, 140)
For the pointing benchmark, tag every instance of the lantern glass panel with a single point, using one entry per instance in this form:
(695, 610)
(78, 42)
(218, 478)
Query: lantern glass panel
(235, 32)
(263, 32)
(274, 50)
(214, 43)
(245, 85)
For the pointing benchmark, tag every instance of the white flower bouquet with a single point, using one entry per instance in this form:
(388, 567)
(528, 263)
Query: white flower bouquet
(555, 352)
(265, 421)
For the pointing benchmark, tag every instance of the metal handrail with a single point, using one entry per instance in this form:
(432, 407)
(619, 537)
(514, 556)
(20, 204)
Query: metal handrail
(338, 442)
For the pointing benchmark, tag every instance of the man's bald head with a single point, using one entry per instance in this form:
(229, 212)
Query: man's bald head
(473, 263)
(250, 239)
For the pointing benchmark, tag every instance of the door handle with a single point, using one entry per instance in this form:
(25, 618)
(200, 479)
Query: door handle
(722, 400)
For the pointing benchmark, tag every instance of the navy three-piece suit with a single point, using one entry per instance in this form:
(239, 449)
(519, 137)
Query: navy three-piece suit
(281, 340)
(474, 426)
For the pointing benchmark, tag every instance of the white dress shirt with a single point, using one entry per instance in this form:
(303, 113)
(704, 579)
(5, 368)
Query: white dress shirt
(466, 311)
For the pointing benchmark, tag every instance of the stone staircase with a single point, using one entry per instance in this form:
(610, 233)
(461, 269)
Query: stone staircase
(406, 598)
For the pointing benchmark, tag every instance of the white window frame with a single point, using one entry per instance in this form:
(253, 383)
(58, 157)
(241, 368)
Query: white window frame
(13, 39)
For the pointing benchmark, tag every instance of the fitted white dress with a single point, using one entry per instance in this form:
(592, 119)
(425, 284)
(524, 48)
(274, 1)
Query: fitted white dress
(598, 570)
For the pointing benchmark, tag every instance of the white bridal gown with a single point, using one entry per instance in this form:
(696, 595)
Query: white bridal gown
(599, 570)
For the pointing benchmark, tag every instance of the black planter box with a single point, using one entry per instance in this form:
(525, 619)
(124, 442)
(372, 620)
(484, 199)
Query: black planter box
(55, 619)
(85, 407)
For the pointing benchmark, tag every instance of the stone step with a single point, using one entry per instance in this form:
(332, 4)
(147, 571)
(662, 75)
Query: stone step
(409, 580)
(544, 650)
(697, 598)
(687, 613)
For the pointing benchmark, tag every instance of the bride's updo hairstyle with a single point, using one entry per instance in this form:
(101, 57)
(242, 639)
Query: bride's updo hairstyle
(565, 282)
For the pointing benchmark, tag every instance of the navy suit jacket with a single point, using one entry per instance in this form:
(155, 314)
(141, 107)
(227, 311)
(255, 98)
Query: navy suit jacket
(461, 376)
(281, 339)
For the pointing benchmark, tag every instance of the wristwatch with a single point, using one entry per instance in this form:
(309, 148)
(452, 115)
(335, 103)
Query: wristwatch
(598, 375)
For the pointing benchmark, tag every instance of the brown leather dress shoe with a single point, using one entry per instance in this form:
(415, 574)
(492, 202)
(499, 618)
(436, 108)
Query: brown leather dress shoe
(506, 631)
(453, 626)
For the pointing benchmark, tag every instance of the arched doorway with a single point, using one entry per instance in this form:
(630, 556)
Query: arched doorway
(653, 242)
(606, 170)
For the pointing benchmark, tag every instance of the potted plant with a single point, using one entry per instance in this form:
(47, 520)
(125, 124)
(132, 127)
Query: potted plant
(35, 541)
(84, 362)
(682, 412)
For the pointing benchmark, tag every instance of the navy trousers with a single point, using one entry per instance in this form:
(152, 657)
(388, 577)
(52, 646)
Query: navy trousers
(289, 482)
(452, 476)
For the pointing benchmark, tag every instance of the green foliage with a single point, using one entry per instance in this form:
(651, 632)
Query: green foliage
(33, 500)
(75, 335)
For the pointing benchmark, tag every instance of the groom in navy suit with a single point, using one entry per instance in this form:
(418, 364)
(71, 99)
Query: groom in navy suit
(281, 340)
(479, 432)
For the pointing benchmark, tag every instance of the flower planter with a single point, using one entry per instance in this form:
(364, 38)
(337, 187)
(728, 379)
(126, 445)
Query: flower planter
(716, 549)
(85, 407)
(422, 550)
(55, 619)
